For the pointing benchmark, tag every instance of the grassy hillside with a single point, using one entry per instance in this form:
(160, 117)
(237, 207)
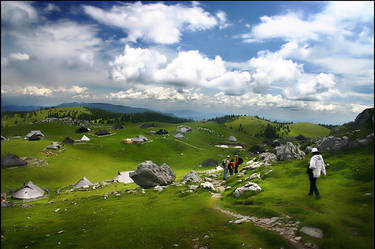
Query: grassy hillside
(172, 219)
(256, 127)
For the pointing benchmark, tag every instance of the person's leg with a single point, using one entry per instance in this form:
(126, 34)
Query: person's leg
(316, 189)
(311, 179)
(225, 172)
(236, 169)
(230, 171)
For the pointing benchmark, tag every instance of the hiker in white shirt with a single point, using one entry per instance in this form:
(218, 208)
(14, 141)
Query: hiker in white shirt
(315, 168)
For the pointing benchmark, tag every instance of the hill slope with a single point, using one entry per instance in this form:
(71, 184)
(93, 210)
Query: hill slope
(107, 107)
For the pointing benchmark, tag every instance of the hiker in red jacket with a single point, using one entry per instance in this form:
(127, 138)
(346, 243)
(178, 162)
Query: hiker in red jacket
(238, 161)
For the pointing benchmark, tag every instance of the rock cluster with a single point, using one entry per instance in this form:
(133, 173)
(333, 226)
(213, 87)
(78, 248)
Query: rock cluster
(332, 143)
(149, 174)
(268, 157)
(288, 152)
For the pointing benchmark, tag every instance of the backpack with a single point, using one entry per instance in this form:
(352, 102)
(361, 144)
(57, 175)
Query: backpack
(240, 160)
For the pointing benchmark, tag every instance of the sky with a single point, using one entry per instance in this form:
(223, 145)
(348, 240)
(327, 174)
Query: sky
(285, 61)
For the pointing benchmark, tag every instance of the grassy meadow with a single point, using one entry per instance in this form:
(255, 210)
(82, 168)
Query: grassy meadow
(172, 219)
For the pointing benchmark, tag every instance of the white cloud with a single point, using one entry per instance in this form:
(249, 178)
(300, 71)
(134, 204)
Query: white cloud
(61, 41)
(336, 18)
(36, 91)
(33, 90)
(155, 22)
(52, 7)
(19, 57)
(18, 13)
(222, 17)
(272, 67)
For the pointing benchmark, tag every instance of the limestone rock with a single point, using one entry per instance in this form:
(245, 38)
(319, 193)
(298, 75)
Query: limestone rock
(250, 186)
(192, 176)
(183, 129)
(289, 151)
(208, 185)
(268, 157)
(149, 174)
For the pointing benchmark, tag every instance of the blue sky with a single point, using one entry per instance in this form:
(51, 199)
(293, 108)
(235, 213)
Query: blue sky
(290, 61)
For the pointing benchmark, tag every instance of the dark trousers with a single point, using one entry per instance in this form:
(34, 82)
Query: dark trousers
(313, 187)
(236, 168)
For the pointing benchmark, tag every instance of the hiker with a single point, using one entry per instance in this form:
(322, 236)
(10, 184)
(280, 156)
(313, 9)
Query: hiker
(238, 162)
(227, 166)
(314, 169)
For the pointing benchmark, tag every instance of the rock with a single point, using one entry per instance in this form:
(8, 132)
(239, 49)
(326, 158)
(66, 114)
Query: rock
(312, 231)
(68, 140)
(275, 143)
(122, 177)
(251, 165)
(57, 210)
(362, 142)
(268, 157)
(332, 143)
(139, 139)
(365, 118)
(183, 129)
(4, 138)
(209, 162)
(60, 232)
(289, 151)
(254, 175)
(250, 186)
(208, 185)
(145, 126)
(158, 188)
(301, 137)
(11, 160)
(232, 139)
(179, 136)
(221, 189)
(54, 146)
(149, 174)
(308, 149)
(192, 176)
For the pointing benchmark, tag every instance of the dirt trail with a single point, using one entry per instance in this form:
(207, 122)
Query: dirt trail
(189, 145)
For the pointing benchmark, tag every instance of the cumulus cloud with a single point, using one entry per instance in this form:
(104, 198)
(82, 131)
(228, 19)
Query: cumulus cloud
(155, 22)
(64, 40)
(187, 69)
(18, 14)
(33, 90)
(19, 57)
(52, 7)
(272, 67)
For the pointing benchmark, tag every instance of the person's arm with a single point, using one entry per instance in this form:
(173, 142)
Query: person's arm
(323, 167)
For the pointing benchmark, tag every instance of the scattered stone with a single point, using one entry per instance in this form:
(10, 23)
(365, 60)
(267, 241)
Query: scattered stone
(122, 177)
(251, 186)
(232, 139)
(183, 129)
(193, 187)
(60, 232)
(158, 188)
(208, 185)
(206, 237)
(251, 165)
(175, 245)
(26, 205)
(57, 210)
(192, 176)
(54, 146)
(254, 175)
(179, 136)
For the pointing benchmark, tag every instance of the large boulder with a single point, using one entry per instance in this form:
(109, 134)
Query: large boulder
(209, 162)
(250, 186)
(149, 174)
(362, 141)
(365, 118)
(268, 157)
(192, 176)
(35, 137)
(36, 132)
(288, 151)
(332, 143)
(11, 160)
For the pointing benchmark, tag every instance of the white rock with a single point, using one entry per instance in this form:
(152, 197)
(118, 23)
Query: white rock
(208, 185)
(250, 186)
(313, 232)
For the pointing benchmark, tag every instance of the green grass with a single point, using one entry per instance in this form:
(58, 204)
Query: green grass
(159, 220)
(342, 209)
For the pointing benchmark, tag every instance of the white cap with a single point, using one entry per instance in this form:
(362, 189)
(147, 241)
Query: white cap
(314, 150)
(228, 155)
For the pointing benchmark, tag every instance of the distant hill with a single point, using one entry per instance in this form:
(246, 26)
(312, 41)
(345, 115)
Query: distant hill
(17, 108)
(258, 127)
(107, 107)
